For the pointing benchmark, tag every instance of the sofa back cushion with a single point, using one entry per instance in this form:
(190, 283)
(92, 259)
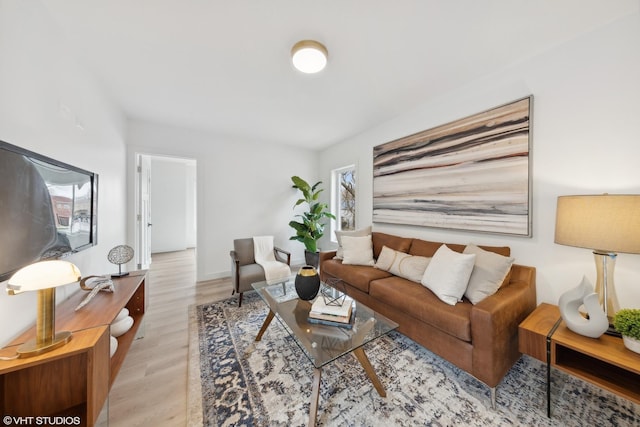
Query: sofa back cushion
(426, 248)
(398, 243)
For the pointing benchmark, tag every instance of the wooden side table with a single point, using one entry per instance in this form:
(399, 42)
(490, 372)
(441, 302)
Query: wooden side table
(602, 361)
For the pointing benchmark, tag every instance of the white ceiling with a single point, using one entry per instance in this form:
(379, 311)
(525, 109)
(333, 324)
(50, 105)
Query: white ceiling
(224, 65)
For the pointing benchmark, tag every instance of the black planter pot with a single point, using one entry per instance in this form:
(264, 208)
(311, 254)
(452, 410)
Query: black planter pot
(307, 283)
(312, 258)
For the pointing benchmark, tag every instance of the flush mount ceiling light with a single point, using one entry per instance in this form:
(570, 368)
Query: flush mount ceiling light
(309, 56)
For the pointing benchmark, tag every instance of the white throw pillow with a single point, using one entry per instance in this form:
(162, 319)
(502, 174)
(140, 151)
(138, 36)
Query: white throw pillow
(401, 264)
(357, 250)
(447, 275)
(355, 233)
(488, 273)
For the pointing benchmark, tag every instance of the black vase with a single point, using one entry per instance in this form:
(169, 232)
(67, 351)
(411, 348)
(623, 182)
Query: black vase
(307, 283)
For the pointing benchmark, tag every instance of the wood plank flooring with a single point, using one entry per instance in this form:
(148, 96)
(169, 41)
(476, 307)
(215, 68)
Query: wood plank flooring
(151, 388)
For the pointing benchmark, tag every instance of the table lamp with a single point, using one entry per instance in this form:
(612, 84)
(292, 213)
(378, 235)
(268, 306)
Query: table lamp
(607, 224)
(44, 277)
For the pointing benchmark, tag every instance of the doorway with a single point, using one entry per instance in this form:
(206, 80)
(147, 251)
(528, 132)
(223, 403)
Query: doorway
(166, 206)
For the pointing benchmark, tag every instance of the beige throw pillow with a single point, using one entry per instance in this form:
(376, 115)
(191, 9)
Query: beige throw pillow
(357, 250)
(366, 231)
(447, 275)
(488, 273)
(401, 264)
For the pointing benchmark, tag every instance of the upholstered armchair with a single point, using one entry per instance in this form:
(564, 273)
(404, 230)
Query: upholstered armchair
(245, 270)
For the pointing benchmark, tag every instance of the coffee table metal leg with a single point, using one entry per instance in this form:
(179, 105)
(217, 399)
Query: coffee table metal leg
(315, 397)
(364, 361)
(266, 323)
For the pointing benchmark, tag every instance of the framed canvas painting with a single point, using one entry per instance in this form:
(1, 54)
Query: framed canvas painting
(470, 174)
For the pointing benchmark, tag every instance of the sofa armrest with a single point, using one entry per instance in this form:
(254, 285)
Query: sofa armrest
(494, 325)
(279, 253)
(324, 256)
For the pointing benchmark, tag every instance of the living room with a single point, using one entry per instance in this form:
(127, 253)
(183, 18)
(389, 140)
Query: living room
(584, 140)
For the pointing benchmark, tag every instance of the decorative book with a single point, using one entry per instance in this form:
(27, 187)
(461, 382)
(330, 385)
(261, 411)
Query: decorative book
(321, 311)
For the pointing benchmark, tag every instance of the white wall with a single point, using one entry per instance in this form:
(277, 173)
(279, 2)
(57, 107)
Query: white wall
(50, 105)
(585, 141)
(172, 204)
(243, 188)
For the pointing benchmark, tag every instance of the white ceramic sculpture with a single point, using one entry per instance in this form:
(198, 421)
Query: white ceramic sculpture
(596, 324)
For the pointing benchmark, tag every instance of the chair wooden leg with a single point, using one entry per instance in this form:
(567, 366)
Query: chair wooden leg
(240, 299)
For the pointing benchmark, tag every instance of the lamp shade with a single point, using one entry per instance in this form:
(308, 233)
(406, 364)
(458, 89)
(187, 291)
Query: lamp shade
(43, 275)
(309, 56)
(607, 223)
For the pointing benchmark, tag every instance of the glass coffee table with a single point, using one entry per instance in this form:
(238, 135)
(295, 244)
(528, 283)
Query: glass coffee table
(322, 344)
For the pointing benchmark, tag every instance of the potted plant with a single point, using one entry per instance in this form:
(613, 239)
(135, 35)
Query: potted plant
(309, 229)
(627, 322)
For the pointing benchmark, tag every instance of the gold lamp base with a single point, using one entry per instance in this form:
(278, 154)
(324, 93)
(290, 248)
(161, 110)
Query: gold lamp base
(33, 348)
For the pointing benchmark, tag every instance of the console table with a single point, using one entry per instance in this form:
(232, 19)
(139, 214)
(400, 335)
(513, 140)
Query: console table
(74, 380)
(603, 361)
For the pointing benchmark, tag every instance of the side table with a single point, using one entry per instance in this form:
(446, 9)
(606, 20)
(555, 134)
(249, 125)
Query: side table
(603, 361)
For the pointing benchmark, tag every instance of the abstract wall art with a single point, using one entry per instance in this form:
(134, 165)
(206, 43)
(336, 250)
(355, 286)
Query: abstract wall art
(470, 174)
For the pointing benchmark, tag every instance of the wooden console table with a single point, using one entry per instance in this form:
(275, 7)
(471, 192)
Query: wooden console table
(74, 380)
(603, 361)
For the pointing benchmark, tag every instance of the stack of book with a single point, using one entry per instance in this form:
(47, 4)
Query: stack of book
(330, 314)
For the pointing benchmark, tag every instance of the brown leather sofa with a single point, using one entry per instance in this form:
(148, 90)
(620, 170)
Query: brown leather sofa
(481, 339)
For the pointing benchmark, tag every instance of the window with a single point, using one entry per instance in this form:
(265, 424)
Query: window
(343, 196)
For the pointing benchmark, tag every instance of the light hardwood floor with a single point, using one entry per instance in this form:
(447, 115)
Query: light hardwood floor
(151, 388)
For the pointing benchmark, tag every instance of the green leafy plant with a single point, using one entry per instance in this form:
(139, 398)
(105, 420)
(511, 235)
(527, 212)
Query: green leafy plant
(309, 229)
(627, 322)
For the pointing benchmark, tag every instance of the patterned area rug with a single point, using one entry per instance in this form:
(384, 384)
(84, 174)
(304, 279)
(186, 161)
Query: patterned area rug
(235, 381)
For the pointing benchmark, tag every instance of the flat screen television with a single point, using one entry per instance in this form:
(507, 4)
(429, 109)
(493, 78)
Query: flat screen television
(48, 209)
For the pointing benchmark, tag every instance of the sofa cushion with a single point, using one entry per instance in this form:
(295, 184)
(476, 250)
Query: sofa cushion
(422, 304)
(489, 272)
(427, 248)
(424, 248)
(366, 231)
(401, 244)
(358, 276)
(357, 250)
(447, 275)
(402, 264)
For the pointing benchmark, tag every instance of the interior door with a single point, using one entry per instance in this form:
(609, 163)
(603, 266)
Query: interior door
(143, 216)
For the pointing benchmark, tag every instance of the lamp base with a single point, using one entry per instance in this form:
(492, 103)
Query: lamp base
(116, 275)
(32, 348)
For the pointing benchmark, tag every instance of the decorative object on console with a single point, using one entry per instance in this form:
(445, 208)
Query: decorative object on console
(309, 56)
(44, 277)
(119, 255)
(470, 174)
(607, 224)
(596, 322)
(101, 283)
(310, 229)
(627, 322)
(307, 282)
(121, 327)
(113, 345)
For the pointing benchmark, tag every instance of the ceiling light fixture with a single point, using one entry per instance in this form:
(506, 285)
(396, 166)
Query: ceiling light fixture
(309, 56)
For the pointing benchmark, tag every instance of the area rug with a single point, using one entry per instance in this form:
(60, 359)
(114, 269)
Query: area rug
(235, 381)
